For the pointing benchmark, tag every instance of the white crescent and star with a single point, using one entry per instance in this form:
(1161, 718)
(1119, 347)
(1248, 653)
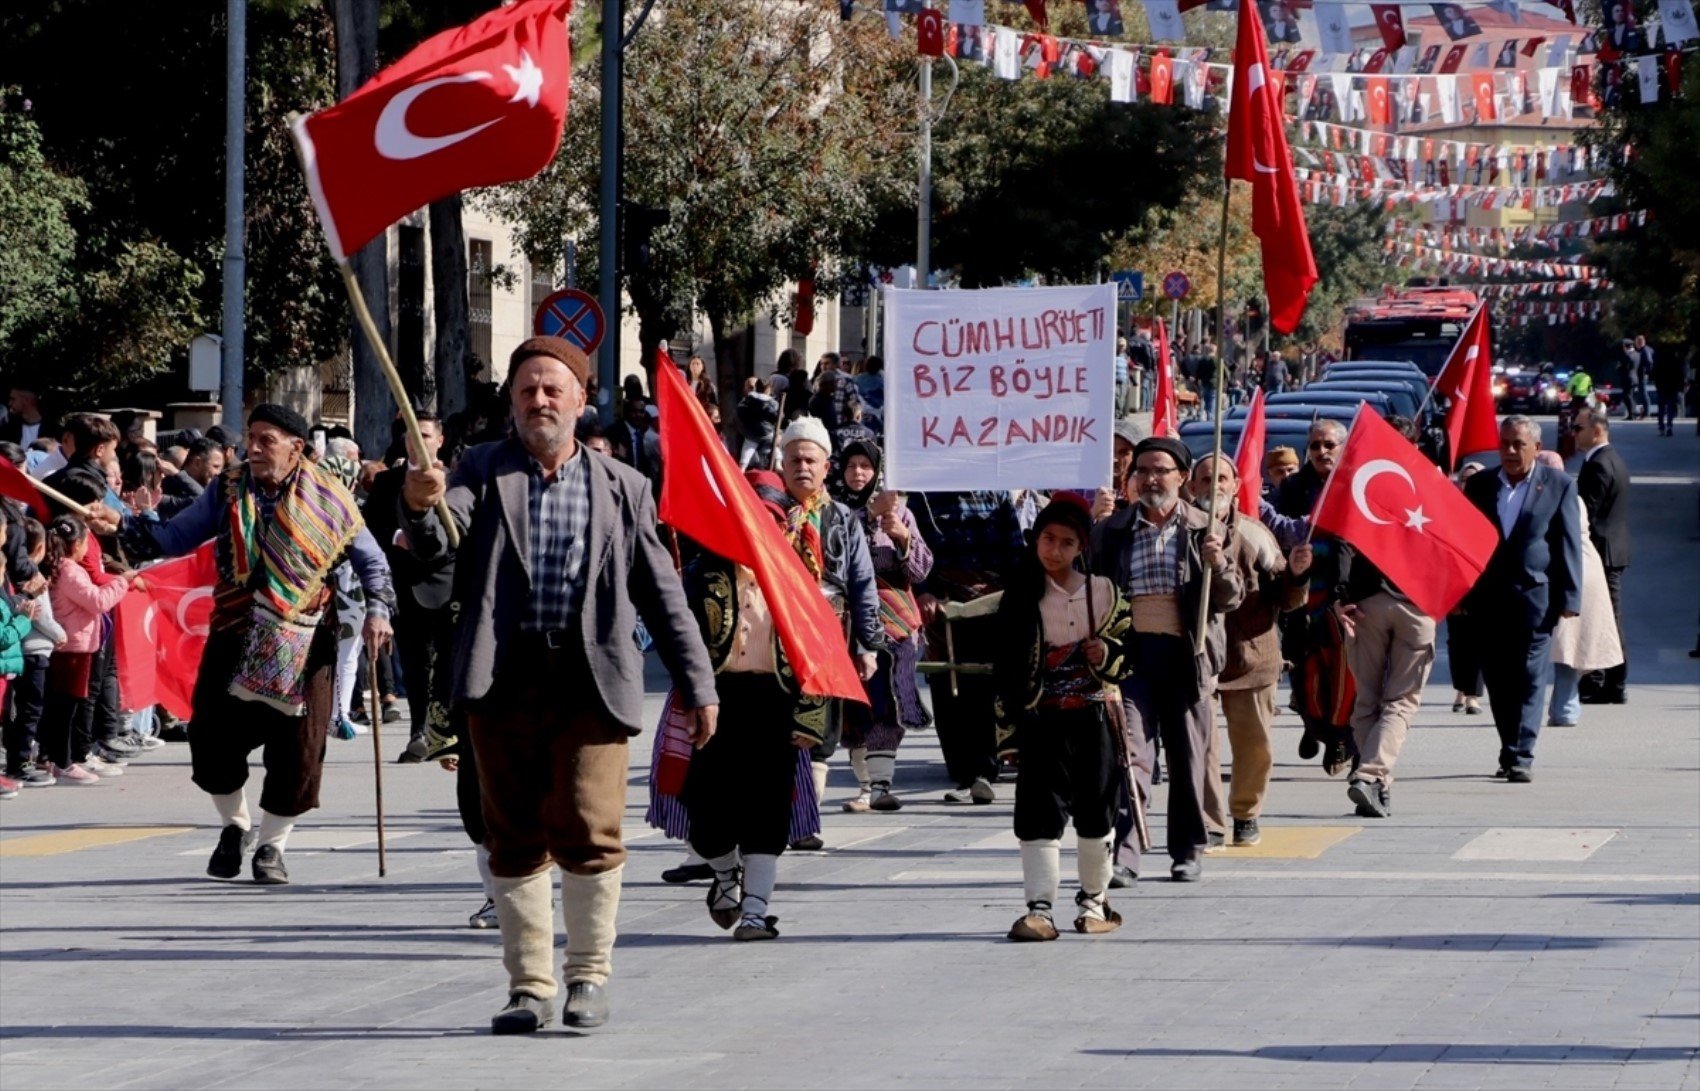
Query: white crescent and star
(708, 475)
(1374, 468)
(183, 604)
(394, 140)
(1255, 80)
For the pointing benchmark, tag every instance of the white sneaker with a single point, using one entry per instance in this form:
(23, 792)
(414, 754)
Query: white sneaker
(102, 768)
(149, 742)
(485, 917)
(72, 774)
(981, 791)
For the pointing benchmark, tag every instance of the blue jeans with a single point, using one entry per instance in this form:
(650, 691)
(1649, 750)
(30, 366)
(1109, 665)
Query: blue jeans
(1209, 398)
(1565, 707)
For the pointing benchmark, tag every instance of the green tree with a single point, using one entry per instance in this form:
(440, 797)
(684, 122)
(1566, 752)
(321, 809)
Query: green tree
(764, 133)
(1653, 158)
(37, 240)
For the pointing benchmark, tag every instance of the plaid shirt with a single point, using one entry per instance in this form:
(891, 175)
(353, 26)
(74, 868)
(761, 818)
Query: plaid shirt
(1155, 567)
(560, 526)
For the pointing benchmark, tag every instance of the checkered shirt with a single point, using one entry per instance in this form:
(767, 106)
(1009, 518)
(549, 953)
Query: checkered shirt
(560, 529)
(1155, 565)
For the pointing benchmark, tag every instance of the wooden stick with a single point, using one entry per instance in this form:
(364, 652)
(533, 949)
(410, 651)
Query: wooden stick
(1221, 381)
(377, 753)
(363, 316)
(59, 497)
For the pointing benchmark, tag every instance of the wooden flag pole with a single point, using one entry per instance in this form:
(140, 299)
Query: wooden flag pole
(364, 317)
(1221, 381)
(377, 753)
(55, 495)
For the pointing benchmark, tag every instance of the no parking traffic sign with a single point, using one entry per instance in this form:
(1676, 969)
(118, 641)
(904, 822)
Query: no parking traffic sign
(571, 314)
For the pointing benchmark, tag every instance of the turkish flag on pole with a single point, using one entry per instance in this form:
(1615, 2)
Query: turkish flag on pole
(161, 632)
(1391, 22)
(1406, 516)
(15, 484)
(704, 497)
(1257, 153)
(1166, 413)
(1380, 106)
(1467, 381)
(474, 106)
(1248, 459)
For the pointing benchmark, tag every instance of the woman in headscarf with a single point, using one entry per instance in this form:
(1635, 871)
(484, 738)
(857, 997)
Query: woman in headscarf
(901, 560)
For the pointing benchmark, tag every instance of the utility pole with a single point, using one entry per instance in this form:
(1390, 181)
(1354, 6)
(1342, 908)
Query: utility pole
(235, 261)
(924, 218)
(608, 252)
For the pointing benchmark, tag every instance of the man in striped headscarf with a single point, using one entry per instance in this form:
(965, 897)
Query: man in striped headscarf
(280, 524)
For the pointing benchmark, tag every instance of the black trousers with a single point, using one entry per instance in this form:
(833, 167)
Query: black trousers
(425, 644)
(1517, 664)
(738, 790)
(1162, 702)
(27, 697)
(225, 729)
(468, 798)
(1069, 766)
(1616, 678)
(1462, 655)
(108, 720)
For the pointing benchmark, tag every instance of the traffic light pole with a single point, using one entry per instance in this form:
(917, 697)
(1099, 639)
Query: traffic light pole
(608, 250)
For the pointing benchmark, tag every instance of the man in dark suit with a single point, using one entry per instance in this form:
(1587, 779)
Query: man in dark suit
(558, 557)
(1603, 485)
(425, 618)
(1533, 579)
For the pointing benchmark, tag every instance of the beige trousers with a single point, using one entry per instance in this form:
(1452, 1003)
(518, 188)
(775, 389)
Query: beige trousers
(1389, 654)
(1249, 713)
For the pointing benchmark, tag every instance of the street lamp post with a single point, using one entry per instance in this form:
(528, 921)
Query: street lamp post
(235, 262)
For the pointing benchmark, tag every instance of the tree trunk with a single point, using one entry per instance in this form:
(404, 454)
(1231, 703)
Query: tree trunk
(374, 406)
(728, 371)
(448, 296)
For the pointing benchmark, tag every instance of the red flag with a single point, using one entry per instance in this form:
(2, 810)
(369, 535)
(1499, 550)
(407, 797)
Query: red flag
(1162, 79)
(929, 32)
(1406, 516)
(162, 632)
(1257, 153)
(1467, 379)
(16, 485)
(705, 497)
(1166, 413)
(1391, 22)
(1454, 57)
(474, 106)
(1380, 108)
(1487, 105)
(1248, 459)
(1036, 8)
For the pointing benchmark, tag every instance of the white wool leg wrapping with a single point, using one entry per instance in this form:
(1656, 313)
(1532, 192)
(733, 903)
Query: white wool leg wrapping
(233, 809)
(1041, 865)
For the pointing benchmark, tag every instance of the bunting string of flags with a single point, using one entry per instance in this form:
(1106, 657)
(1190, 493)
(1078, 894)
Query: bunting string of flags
(1482, 167)
(1502, 239)
(1568, 312)
(1493, 267)
(1325, 187)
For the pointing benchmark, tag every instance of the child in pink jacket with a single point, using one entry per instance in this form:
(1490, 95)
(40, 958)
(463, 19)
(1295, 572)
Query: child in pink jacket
(78, 604)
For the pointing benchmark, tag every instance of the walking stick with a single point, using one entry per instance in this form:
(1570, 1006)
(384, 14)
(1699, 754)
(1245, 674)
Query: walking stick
(377, 754)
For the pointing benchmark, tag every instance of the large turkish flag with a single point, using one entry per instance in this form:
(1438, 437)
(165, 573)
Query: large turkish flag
(1406, 516)
(1248, 458)
(474, 106)
(704, 497)
(1472, 425)
(1257, 153)
(162, 632)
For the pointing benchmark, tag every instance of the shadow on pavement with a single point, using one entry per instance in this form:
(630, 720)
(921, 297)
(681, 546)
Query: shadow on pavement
(1432, 1053)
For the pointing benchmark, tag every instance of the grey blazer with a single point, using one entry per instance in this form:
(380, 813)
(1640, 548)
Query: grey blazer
(627, 567)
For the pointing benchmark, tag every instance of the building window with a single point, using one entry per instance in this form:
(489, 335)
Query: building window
(480, 301)
(542, 284)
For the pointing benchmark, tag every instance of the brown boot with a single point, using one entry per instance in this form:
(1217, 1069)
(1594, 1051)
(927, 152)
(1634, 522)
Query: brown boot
(1035, 927)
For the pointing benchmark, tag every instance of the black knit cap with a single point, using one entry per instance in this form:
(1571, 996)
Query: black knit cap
(281, 417)
(1069, 510)
(1174, 448)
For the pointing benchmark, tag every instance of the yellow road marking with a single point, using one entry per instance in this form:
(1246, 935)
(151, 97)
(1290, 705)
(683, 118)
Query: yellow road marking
(53, 844)
(1290, 843)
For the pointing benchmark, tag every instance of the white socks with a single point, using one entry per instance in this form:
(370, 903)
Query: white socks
(882, 766)
(1041, 863)
(274, 829)
(528, 932)
(726, 878)
(859, 766)
(589, 905)
(761, 871)
(1093, 857)
(818, 768)
(484, 875)
(233, 809)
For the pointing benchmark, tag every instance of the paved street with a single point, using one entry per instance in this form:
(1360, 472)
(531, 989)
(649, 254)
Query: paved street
(1487, 935)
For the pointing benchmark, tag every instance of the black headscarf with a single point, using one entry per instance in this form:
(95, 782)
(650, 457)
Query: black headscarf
(856, 499)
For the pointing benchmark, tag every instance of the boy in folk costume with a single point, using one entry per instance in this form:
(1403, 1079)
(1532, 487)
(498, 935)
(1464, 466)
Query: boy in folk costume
(1057, 714)
(280, 524)
(739, 789)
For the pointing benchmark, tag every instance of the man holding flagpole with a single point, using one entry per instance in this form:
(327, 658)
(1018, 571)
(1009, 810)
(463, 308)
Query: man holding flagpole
(559, 558)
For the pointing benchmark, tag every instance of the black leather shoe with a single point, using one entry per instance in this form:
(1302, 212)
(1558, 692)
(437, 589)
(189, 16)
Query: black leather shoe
(1122, 877)
(811, 843)
(1187, 871)
(523, 1015)
(226, 861)
(687, 873)
(268, 866)
(586, 1006)
(1517, 776)
(1309, 747)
